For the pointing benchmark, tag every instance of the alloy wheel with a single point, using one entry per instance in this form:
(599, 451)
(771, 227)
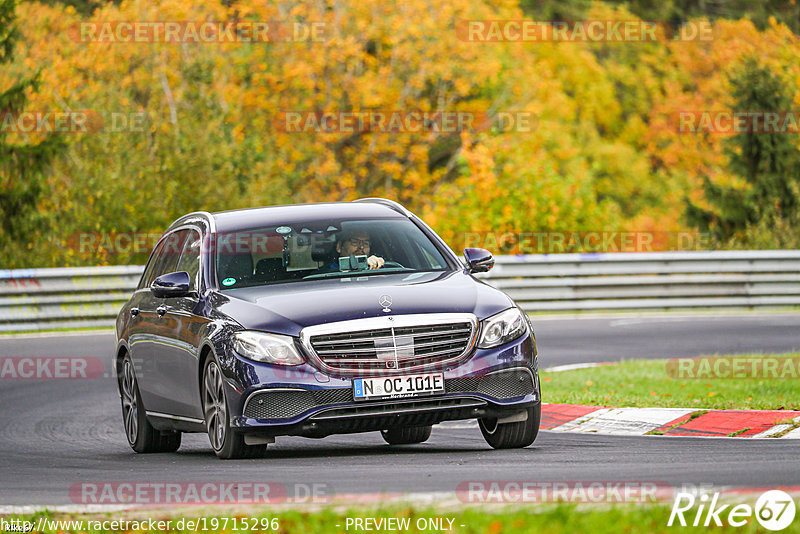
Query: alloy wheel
(130, 408)
(216, 413)
(489, 425)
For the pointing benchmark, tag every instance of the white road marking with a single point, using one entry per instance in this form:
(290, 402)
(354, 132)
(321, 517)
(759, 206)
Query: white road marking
(755, 315)
(573, 366)
(624, 421)
(656, 316)
(34, 335)
(794, 434)
(772, 431)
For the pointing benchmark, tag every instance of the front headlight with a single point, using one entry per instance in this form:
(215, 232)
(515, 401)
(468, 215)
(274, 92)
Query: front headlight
(501, 328)
(267, 348)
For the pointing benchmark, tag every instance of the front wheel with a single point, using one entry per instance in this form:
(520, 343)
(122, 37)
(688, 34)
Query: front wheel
(512, 435)
(226, 443)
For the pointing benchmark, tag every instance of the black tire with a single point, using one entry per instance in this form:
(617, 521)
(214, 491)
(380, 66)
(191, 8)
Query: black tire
(141, 435)
(512, 435)
(227, 444)
(406, 435)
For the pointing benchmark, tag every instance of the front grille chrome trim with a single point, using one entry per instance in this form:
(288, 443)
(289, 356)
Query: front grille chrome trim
(392, 322)
(389, 338)
(367, 350)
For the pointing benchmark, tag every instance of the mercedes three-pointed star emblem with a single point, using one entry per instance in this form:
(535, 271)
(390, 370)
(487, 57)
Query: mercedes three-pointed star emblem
(385, 301)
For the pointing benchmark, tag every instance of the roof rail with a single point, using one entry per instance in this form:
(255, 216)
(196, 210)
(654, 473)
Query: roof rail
(396, 206)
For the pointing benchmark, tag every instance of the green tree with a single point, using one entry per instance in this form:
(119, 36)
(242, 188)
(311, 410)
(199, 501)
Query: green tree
(768, 163)
(556, 9)
(22, 164)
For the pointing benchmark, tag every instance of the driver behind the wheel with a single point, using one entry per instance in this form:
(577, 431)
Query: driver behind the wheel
(357, 242)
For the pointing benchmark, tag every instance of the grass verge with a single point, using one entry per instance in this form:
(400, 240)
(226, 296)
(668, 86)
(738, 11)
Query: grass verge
(647, 383)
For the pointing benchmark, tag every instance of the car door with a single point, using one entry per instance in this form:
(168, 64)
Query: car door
(140, 325)
(152, 333)
(176, 357)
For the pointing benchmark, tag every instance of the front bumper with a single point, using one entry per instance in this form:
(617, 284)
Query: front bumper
(305, 402)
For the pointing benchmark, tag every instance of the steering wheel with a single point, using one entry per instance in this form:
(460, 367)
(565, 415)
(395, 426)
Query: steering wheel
(393, 264)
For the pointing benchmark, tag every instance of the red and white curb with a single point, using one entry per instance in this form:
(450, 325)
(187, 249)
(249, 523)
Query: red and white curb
(671, 421)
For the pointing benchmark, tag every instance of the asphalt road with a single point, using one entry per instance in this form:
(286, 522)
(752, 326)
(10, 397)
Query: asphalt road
(56, 434)
(567, 341)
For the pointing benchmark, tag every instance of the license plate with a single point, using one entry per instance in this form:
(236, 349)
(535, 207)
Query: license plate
(393, 387)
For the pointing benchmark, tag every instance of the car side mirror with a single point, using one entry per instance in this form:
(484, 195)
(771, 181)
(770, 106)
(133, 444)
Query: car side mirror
(478, 260)
(171, 285)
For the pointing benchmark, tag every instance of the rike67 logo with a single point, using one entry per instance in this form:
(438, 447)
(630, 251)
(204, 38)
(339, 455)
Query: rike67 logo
(774, 510)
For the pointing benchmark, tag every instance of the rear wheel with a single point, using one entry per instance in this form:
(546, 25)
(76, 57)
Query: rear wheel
(406, 435)
(512, 435)
(226, 443)
(142, 437)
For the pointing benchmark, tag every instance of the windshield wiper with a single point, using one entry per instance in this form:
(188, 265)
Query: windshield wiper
(367, 272)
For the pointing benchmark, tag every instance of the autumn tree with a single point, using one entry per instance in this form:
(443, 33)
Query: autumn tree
(767, 161)
(22, 163)
(601, 152)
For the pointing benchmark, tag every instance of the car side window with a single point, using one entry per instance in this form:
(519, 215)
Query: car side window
(155, 258)
(190, 257)
(169, 252)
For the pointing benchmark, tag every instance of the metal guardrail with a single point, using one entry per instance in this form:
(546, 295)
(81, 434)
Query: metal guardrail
(36, 299)
(650, 281)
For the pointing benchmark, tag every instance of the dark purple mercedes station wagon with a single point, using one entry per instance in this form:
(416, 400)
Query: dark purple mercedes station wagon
(319, 319)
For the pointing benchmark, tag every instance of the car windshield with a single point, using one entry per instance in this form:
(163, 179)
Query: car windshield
(309, 250)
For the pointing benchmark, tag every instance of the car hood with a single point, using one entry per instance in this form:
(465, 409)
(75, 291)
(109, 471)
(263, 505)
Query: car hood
(288, 308)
